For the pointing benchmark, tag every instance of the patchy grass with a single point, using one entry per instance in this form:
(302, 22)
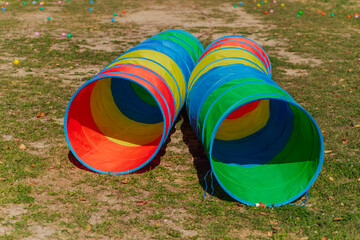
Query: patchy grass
(44, 195)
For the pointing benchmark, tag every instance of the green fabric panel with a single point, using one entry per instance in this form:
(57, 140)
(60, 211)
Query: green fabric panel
(227, 100)
(187, 39)
(282, 178)
(143, 94)
(181, 43)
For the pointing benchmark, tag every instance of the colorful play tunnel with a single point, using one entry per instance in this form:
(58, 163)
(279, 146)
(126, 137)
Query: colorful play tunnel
(117, 121)
(262, 145)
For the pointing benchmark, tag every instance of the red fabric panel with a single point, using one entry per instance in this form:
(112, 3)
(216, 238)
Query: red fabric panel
(243, 110)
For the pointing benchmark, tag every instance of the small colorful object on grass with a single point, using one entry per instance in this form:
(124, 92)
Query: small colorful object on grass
(2, 8)
(356, 15)
(271, 11)
(319, 11)
(348, 16)
(323, 13)
(240, 3)
(266, 12)
(258, 5)
(36, 34)
(63, 34)
(332, 14)
(300, 12)
(24, 3)
(41, 8)
(282, 4)
(112, 19)
(114, 14)
(7, 3)
(262, 3)
(41, 3)
(48, 18)
(16, 62)
(69, 35)
(90, 9)
(274, 1)
(91, 1)
(235, 5)
(59, 2)
(33, 2)
(123, 11)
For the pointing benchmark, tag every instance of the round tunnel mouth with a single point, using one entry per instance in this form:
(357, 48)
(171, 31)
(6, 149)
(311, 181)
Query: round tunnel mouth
(106, 132)
(275, 159)
(161, 66)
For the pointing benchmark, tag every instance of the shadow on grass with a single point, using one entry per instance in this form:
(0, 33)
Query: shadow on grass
(201, 162)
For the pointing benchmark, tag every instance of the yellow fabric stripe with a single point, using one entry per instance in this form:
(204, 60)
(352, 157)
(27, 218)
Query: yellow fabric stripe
(167, 63)
(159, 70)
(225, 53)
(249, 123)
(114, 124)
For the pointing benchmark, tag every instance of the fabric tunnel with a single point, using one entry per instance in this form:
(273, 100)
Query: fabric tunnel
(117, 121)
(262, 145)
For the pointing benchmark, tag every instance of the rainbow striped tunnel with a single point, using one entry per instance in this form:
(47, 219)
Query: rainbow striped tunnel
(116, 122)
(262, 145)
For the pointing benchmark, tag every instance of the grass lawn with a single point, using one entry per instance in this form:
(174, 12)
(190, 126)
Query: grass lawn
(46, 194)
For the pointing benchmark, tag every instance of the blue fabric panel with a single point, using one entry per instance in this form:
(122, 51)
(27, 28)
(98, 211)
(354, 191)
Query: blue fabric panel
(262, 146)
(131, 105)
(213, 79)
